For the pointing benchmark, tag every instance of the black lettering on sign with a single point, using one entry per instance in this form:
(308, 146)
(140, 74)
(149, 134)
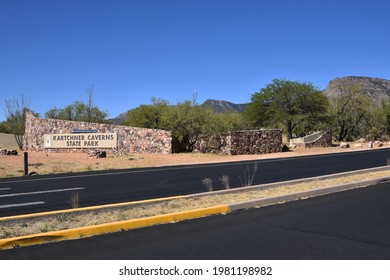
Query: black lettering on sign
(73, 143)
(91, 143)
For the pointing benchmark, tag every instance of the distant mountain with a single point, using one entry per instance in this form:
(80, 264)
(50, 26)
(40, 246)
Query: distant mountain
(221, 106)
(377, 88)
(118, 119)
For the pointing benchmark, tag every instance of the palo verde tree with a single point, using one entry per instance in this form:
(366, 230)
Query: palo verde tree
(295, 106)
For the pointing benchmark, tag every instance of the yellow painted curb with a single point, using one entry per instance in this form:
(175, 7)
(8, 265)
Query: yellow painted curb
(89, 208)
(111, 227)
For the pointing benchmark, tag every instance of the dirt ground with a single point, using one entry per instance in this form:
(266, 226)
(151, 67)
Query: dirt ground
(54, 163)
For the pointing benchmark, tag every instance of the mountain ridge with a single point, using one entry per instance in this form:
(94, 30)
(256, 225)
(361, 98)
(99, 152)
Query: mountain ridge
(377, 88)
(222, 106)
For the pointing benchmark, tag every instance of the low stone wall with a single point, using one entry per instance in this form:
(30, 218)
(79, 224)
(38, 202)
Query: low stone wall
(246, 142)
(252, 142)
(218, 144)
(130, 139)
(318, 139)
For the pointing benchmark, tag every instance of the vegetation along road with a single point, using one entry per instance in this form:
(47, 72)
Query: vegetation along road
(46, 193)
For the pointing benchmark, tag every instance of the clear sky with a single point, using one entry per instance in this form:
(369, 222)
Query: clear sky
(131, 51)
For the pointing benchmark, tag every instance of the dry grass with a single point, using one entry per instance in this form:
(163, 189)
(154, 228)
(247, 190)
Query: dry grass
(87, 218)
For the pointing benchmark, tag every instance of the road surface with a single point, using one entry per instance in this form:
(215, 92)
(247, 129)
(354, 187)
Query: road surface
(349, 225)
(47, 193)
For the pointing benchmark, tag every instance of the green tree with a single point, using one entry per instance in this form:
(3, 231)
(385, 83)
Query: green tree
(232, 121)
(188, 122)
(5, 127)
(148, 116)
(81, 110)
(298, 107)
(383, 118)
(352, 113)
(379, 124)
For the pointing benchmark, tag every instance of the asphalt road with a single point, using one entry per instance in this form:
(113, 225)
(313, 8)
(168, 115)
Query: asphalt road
(349, 225)
(46, 193)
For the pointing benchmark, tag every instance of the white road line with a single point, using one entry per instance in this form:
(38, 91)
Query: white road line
(41, 192)
(4, 189)
(21, 204)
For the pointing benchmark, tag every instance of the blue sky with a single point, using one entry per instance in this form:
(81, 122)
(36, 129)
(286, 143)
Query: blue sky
(131, 51)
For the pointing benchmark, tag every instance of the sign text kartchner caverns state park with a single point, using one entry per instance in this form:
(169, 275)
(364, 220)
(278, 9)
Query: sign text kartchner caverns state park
(80, 140)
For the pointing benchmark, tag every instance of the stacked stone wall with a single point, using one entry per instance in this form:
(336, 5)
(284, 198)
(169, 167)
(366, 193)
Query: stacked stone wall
(252, 142)
(130, 139)
(246, 142)
(218, 144)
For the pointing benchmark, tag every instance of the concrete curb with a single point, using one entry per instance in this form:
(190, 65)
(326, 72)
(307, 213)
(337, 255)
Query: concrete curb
(297, 181)
(185, 215)
(302, 195)
(107, 228)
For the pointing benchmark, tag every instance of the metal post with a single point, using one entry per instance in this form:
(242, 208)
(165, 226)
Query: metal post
(25, 163)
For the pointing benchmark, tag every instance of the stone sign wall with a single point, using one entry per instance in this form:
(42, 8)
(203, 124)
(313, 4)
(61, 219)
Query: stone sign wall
(245, 142)
(128, 139)
(251, 142)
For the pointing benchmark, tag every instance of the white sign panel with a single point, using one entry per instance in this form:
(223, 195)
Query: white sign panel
(80, 140)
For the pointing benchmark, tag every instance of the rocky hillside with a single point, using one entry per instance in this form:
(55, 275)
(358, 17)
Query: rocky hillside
(221, 106)
(118, 119)
(377, 88)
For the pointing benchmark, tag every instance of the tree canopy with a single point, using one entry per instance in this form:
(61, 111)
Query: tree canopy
(187, 120)
(148, 116)
(80, 110)
(297, 107)
(353, 113)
